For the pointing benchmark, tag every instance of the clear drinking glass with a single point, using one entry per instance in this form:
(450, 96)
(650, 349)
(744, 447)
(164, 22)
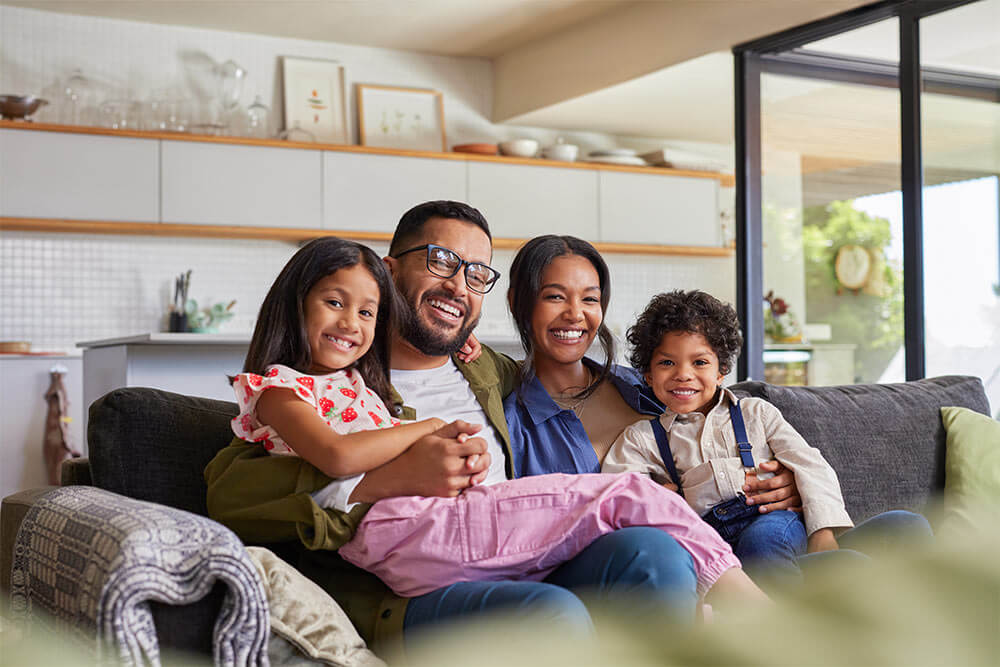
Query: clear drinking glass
(119, 115)
(77, 91)
(297, 133)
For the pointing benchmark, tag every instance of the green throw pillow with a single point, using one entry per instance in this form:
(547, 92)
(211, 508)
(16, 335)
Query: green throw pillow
(972, 466)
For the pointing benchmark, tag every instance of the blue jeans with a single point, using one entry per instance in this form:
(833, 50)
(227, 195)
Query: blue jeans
(643, 567)
(769, 547)
(772, 548)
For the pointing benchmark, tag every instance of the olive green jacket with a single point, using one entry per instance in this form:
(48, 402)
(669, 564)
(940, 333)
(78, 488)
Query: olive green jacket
(266, 500)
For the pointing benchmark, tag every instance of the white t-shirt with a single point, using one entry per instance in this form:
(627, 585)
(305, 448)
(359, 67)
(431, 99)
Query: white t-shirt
(441, 392)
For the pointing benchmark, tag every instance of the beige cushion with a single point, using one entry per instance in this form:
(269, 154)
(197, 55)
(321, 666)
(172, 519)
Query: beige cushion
(304, 616)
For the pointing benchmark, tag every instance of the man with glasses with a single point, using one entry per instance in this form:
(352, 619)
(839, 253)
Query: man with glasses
(439, 258)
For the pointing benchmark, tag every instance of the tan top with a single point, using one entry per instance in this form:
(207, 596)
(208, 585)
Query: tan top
(707, 460)
(604, 415)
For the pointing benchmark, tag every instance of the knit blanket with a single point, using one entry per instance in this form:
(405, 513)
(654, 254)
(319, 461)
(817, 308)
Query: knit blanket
(88, 562)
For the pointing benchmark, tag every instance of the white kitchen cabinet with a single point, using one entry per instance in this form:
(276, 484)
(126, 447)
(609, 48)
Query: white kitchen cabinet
(78, 176)
(659, 210)
(257, 186)
(365, 192)
(523, 201)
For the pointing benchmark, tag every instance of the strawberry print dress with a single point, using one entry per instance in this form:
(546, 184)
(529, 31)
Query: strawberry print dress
(340, 398)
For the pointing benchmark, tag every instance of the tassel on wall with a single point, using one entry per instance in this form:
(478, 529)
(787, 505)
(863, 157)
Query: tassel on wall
(58, 445)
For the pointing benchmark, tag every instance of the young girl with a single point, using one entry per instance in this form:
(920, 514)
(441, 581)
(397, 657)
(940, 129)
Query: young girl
(684, 343)
(315, 384)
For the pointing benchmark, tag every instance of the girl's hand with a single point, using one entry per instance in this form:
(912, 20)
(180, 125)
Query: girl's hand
(822, 540)
(471, 350)
(670, 486)
(435, 423)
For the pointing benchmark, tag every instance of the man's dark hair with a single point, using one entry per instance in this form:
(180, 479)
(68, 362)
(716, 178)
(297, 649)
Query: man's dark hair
(690, 312)
(413, 221)
(526, 282)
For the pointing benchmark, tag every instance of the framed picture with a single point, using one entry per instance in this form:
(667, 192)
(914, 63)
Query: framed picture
(392, 117)
(315, 98)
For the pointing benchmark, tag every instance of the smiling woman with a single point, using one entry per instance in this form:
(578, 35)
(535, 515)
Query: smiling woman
(568, 408)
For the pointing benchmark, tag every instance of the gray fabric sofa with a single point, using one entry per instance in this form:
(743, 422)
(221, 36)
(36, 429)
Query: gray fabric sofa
(886, 442)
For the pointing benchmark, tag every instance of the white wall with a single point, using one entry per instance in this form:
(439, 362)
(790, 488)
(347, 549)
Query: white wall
(128, 59)
(56, 290)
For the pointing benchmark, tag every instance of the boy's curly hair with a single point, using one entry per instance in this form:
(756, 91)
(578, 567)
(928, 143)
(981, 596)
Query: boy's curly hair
(694, 312)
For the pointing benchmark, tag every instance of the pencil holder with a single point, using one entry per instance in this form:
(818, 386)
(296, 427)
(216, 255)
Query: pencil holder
(178, 323)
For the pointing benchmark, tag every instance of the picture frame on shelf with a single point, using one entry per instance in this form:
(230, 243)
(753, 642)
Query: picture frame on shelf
(314, 94)
(406, 118)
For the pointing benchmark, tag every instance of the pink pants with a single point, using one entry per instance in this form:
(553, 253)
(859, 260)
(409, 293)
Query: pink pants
(522, 529)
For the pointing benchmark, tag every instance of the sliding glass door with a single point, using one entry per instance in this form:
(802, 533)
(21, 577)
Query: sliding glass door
(832, 235)
(961, 217)
(868, 178)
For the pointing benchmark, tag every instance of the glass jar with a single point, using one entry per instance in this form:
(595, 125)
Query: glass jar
(258, 119)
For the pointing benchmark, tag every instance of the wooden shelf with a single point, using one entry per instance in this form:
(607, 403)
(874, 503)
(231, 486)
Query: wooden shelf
(295, 235)
(726, 180)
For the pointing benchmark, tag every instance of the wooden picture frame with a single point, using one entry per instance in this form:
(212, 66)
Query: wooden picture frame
(315, 96)
(406, 118)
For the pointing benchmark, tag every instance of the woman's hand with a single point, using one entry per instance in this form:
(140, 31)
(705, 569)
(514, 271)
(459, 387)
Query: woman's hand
(777, 493)
(471, 350)
(822, 540)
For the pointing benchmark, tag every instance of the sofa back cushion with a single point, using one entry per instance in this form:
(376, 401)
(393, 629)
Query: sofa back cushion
(886, 441)
(153, 445)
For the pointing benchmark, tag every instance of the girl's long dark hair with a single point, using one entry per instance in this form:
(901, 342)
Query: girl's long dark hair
(280, 334)
(525, 284)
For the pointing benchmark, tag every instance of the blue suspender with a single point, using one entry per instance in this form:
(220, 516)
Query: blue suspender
(668, 458)
(739, 428)
(742, 441)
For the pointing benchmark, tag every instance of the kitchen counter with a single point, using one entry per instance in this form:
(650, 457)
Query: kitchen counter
(184, 363)
(170, 339)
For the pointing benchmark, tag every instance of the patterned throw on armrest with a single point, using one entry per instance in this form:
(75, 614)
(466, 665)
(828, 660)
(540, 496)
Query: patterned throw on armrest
(91, 560)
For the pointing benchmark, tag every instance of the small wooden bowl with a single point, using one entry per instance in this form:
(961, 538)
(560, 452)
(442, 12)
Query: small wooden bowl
(478, 149)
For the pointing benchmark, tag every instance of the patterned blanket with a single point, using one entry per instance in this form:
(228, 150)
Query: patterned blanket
(89, 561)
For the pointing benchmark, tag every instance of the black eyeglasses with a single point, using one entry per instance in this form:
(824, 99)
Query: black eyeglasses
(445, 263)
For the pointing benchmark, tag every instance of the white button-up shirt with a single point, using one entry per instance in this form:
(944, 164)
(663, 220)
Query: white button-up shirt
(707, 459)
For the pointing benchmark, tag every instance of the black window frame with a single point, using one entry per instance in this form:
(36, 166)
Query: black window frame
(782, 53)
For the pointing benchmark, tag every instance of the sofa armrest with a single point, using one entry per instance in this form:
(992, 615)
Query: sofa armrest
(75, 471)
(97, 563)
(12, 512)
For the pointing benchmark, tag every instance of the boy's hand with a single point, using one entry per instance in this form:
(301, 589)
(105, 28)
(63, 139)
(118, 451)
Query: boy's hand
(777, 493)
(822, 540)
(471, 350)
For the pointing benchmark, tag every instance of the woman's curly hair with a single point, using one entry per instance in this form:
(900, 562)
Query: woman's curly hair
(694, 312)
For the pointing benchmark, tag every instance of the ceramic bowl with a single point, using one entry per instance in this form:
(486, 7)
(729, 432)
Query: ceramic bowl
(479, 149)
(561, 152)
(16, 107)
(519, 147)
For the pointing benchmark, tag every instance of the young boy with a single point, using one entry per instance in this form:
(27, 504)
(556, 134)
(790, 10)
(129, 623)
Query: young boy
(684, 343)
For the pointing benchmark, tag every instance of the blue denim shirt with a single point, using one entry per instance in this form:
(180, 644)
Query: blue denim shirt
(544, 438)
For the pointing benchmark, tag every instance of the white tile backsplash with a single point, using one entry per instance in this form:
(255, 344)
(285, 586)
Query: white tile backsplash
(57, 290)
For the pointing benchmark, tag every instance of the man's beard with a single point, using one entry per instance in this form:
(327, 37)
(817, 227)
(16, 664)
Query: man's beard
(428, 340)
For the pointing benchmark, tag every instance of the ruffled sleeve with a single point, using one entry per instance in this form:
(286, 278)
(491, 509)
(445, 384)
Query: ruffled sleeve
(250, 386)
